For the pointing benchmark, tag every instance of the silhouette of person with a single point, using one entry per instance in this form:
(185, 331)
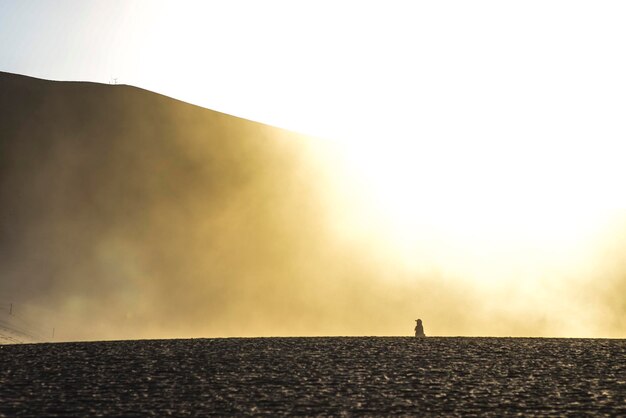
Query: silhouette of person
(419, 329)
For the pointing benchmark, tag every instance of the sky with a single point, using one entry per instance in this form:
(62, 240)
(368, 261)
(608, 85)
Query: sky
(467, 124)
(510, 85)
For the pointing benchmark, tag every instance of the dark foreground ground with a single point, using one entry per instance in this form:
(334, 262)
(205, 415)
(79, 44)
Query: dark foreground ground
(315, 376)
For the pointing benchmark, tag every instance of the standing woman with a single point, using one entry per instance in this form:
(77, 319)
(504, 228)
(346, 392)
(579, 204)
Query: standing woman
(419, 329)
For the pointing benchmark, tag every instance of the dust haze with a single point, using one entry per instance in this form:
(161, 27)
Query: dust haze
(126, 214)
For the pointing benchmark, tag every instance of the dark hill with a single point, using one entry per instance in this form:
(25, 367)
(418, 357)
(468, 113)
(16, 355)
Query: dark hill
(142, 215)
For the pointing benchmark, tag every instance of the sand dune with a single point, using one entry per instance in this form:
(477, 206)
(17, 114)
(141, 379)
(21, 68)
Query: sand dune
(130, 214)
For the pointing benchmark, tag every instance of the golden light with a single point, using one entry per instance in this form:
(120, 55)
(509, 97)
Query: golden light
(478, 213)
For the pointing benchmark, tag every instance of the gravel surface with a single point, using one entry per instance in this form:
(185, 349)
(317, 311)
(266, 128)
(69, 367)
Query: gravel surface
(315, 376)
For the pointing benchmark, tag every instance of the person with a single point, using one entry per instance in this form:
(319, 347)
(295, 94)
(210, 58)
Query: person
(419, 329)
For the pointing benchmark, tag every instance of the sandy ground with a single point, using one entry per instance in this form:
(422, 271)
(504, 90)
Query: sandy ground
(315, 376)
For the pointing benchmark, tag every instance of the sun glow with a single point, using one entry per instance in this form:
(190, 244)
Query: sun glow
(474, 210)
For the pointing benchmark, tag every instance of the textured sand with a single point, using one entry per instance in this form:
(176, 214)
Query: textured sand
(315, 376)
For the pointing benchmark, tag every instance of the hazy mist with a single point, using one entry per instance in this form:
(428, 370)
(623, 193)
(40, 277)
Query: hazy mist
(126, 214)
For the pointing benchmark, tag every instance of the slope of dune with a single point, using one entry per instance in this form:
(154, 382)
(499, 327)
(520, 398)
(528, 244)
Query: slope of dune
(135, 214)
(14, 329)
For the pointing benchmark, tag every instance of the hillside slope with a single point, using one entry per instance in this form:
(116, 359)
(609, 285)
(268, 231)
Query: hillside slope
(14, 329)
(133, 214)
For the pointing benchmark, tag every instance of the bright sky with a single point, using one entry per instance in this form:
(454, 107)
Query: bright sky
(489, 106)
